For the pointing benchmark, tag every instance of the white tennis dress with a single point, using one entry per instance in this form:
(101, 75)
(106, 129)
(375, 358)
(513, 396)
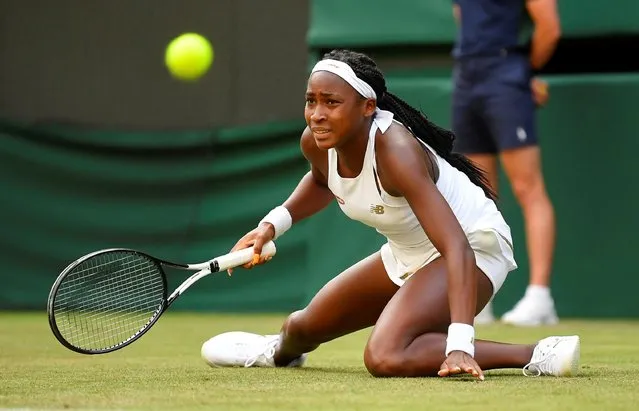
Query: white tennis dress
(408, 248)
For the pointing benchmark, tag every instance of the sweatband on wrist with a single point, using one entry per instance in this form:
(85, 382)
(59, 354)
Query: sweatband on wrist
(280, 218)
(461, 337)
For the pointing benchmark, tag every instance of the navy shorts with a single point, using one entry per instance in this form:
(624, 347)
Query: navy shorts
(493, 106)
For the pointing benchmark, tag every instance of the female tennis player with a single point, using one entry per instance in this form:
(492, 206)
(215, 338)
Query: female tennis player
(448, 252)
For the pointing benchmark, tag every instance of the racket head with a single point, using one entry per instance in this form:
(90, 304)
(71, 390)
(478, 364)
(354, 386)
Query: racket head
(106, 300)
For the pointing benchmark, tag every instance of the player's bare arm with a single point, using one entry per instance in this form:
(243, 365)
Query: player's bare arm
(405, 169)
(309, 197)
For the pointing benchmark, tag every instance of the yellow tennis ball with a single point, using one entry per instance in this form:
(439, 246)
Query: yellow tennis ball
(189, 56)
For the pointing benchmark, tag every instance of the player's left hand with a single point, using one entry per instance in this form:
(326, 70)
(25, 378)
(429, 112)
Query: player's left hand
(459, 362)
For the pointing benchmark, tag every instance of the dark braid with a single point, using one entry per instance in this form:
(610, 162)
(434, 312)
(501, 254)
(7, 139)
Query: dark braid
(440, 139)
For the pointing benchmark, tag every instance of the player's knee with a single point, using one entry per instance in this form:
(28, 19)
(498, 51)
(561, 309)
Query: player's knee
(384, 362)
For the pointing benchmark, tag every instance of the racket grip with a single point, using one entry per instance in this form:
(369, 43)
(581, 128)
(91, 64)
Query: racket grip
(241, 257)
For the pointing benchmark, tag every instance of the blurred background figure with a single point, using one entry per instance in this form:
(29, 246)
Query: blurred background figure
(495, 97)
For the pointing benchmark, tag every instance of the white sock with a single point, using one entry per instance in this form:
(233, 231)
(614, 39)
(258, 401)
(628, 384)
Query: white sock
(538, 291)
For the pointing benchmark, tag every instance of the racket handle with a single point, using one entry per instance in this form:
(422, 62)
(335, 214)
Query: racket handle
(241, 257)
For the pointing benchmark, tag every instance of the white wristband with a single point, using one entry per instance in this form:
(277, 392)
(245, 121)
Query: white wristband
(461, 337)
(280, 218)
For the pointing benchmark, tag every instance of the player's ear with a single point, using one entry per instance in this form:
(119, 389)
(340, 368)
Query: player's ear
(369, 107)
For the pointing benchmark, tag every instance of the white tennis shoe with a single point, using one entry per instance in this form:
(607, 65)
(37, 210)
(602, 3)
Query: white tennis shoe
(558, 356)
(242, 349)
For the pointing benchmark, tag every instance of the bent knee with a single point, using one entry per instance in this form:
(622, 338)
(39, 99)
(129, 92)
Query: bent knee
(383, 359)
(381, 363)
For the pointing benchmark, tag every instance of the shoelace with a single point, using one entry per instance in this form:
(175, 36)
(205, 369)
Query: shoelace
(543, 363)
(267, 350)
(540, 367)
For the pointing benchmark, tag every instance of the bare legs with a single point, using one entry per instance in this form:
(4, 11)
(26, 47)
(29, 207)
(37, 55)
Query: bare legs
(350, 302)
(409, 338)
(410, 322)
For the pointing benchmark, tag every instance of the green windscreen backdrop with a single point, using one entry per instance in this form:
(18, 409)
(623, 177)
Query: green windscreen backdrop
(187, 196)
(339, 23)
(180, 196)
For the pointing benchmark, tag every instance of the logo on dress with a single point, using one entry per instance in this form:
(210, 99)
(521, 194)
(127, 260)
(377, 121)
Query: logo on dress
(339, 200)
(377, 209)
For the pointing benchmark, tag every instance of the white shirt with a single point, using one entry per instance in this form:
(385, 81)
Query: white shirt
(393, 217)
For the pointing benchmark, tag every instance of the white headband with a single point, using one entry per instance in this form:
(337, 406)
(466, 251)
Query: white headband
(346, 72)
(383, 118)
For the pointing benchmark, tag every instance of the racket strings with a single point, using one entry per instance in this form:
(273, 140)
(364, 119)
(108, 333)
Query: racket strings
(108, 299)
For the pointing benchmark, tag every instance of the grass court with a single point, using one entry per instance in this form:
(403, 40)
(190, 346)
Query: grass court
(163, 371)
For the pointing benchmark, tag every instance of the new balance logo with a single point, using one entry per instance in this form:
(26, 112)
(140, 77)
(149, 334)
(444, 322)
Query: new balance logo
(377, 209)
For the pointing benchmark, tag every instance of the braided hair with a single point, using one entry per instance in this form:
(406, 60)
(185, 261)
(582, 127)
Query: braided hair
(440, 139)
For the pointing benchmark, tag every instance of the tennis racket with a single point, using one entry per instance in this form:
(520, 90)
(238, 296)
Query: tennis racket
(108, 299)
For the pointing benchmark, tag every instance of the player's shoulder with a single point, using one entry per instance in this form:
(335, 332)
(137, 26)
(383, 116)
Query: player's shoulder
(398, 150)
(397, 140)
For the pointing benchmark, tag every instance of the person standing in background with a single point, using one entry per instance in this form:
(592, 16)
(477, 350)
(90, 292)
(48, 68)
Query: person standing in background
(493, 116)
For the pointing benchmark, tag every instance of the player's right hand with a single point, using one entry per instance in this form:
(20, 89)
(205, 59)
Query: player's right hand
(255, 238)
